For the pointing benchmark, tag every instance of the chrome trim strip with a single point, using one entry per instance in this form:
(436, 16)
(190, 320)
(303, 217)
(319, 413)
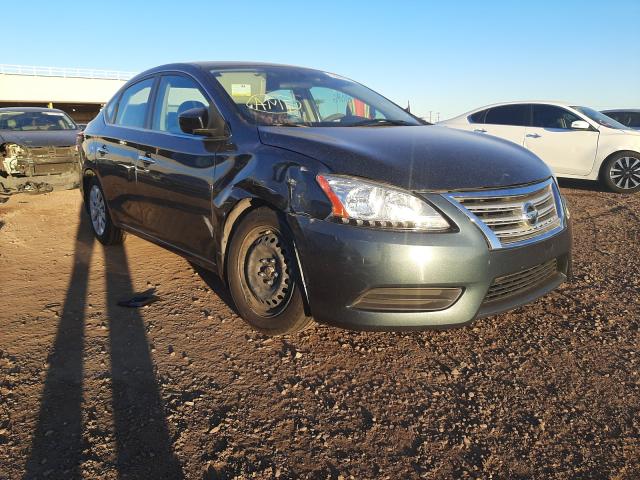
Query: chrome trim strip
(492, 238)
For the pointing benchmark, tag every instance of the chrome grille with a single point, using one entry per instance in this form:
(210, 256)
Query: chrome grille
(515, 216)
(516, 283)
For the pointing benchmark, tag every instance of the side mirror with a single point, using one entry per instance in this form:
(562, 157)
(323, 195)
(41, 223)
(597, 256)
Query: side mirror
(193, 119)
(580, 125)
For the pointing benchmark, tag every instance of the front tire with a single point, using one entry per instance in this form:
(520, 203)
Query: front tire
(101, 224)
(621, 172)
(263, 276)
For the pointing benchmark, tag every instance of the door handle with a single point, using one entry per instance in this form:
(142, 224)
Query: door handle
(103, 150)
(533, 135)
(147, 160)
(480, 130)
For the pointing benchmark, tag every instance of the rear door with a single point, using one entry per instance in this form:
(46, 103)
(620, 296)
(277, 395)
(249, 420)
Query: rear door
(506, 121)
(565, 150)
(116, 151)
(176, 171)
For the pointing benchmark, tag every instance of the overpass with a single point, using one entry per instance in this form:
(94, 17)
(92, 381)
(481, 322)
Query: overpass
(80, 92)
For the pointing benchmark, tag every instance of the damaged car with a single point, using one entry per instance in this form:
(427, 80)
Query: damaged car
(314, 197)
(37, 149)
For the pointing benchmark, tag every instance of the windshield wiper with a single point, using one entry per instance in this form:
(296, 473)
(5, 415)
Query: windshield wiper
(286, 124)
(378, 121)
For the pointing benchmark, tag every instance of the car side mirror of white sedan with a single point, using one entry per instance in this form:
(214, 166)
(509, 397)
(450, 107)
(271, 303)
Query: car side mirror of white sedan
(580, 125)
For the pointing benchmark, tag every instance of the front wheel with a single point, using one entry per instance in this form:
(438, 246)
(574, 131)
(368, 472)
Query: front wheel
(621, 172)
(103, 228)
(263, 277)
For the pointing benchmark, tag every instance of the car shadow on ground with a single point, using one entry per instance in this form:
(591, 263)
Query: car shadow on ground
(143, 442)
(215, 283)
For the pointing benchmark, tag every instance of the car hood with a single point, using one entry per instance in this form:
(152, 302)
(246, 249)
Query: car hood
(54, 138)
(415, 158)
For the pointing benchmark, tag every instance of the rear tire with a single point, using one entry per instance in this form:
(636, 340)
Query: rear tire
(263, 276)
(621, 172)
(99, 218)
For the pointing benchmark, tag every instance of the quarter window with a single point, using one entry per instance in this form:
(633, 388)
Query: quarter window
(132, 108)
(550, 116)
(517, 115)
(176, 95)
(477, 117)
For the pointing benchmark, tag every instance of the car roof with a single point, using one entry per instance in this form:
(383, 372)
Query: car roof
(207, 66)
(558, 103)
(30, 109)
(622, 110)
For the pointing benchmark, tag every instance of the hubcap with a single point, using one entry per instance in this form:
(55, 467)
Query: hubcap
(97, 210)
(625, 173)
(267, 275)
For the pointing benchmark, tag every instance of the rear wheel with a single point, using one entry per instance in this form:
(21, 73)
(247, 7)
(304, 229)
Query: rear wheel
(103, 228)
(263, 276)
(621, 172)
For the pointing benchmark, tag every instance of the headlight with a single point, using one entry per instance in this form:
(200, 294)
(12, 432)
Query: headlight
(375, 205)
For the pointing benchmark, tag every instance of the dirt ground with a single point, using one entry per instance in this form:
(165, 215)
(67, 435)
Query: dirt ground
(183, 389)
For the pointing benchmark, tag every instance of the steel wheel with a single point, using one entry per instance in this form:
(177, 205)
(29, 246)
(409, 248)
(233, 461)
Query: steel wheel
(266, 273)
(263, 274)
(97, 210)
(625, 173)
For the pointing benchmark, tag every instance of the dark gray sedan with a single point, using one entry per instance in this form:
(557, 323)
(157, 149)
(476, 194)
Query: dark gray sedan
(314, 197)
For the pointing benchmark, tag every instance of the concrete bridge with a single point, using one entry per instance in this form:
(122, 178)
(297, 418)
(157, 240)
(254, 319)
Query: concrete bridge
(78, 91)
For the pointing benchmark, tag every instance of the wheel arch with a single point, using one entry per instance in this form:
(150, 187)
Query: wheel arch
(608, 157)
(240, 210)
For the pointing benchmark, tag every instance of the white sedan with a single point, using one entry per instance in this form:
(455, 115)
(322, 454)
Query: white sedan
(576, 142)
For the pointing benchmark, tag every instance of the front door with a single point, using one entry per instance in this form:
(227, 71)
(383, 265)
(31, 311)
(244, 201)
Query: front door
(565, 150)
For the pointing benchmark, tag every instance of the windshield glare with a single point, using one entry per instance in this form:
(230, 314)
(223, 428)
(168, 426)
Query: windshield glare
(601, 118)
(285, 96)
(35, 121)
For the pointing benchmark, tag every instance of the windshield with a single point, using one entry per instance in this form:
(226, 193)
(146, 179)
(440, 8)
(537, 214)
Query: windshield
(600, 118)
(285, 96)
(25, 121)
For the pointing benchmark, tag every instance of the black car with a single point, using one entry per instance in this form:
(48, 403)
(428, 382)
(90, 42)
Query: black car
(37, 144)
(628, 117)
(313, 196)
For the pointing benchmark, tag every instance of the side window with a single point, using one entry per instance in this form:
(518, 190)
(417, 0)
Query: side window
(132, 108)
(477, 117)
(550, 116)
(617, 116)
(634, 120)
(109, 109)
(517, 115)
(333, 103)
(176, 95)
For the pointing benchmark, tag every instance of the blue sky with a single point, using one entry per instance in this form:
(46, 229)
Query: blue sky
(446, 57)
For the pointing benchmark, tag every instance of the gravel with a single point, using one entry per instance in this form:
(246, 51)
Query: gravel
(183, 389)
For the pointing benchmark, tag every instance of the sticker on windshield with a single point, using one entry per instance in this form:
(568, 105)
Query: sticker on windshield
(275, 104)
(54, 114)
(240, 90)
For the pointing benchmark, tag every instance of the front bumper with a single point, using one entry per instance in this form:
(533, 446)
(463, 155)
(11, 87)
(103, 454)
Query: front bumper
(341, 262)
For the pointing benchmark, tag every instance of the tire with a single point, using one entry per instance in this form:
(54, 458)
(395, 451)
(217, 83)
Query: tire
(99, 217)
(621, 172)
(263, 277)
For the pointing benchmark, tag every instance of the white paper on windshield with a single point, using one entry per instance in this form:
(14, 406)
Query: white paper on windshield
(240, 90)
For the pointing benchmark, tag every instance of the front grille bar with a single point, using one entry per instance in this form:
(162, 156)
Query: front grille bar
(499, 213)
